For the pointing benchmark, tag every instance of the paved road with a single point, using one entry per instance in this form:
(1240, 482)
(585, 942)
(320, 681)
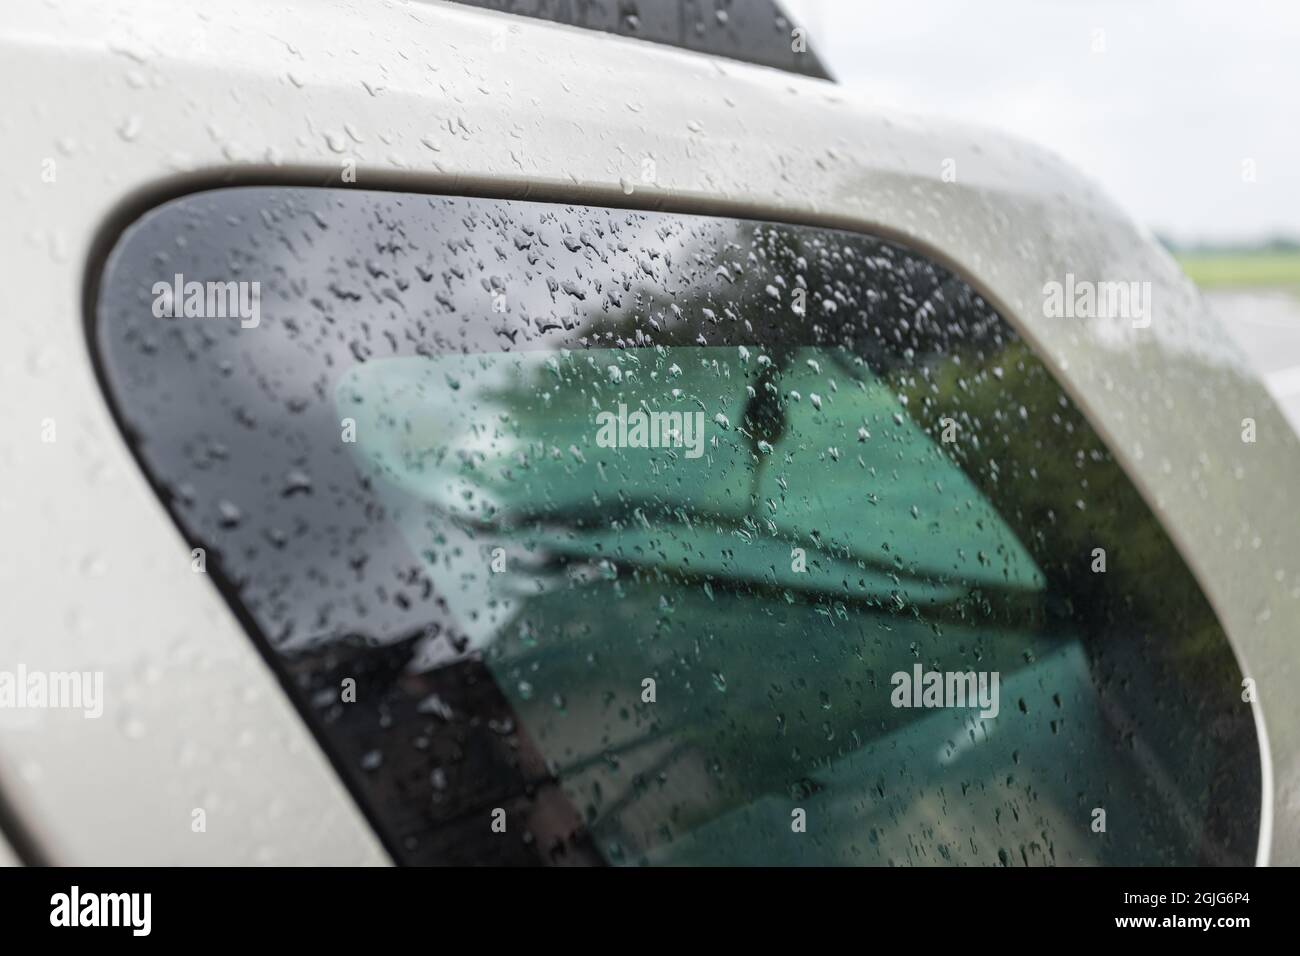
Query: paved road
(1266, 324)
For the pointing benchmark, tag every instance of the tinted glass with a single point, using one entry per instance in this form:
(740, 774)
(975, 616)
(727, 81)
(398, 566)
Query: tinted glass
(754, 31)
(665, 539)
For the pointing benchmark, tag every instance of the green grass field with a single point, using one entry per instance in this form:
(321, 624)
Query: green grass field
(1256, 271)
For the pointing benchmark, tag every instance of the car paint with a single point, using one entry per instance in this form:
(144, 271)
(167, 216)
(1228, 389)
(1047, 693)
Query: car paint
(143, 100)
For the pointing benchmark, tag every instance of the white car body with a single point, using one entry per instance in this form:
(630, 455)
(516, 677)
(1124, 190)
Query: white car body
(136, 101)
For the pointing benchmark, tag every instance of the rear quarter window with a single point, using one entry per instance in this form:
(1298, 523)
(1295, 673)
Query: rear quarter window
(611, 537)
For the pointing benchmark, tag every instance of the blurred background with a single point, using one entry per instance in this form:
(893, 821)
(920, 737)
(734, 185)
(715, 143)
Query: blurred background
(1185, 112)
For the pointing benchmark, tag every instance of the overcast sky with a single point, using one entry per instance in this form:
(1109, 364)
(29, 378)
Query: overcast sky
(1184, 93)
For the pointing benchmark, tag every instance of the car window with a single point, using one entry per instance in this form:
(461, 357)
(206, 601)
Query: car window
(755, 31)
(613, 537)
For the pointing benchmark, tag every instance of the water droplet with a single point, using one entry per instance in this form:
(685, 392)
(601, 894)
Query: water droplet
(130, 128)
(229, 514)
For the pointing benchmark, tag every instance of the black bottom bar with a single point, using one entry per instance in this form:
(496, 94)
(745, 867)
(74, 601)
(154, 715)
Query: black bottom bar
(385, 906)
